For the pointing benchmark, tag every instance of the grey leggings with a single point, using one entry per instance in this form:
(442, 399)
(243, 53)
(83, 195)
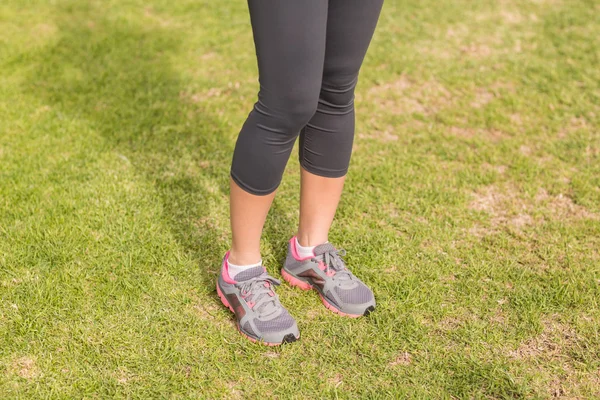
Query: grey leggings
(309, 54)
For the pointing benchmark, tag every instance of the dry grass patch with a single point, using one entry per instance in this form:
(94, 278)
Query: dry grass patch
(494, 135)
(509, 207)
(476, 50)
(507, 15)
(550, 344)
(550, 352)
(404, 358)
(233, 390)
(44, 30)
(505, 207)
(525, 150)
(205, 309)
(483, 46)
(336, 381)
(563, 207)
(441, 53)
(450, 323)
(123, 376)
(460, 40)
(405, 96)
(516, 119)
(482, 97)
(213, 224)
(512, 17)
(575, 124)
(386, 133)
(499, 318)
(159, 19)
(546, 2)
(385, 136)
(500, 169)
(231, 90)
(24, 367)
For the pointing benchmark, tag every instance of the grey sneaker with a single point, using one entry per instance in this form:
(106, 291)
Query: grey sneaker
(339, 289)
(260, 315)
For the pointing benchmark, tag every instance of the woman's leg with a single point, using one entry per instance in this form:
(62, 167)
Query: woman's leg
(290, 45)
(325, 147)
(290, 48)
(326, 141)
(319, 198)
(247, 214)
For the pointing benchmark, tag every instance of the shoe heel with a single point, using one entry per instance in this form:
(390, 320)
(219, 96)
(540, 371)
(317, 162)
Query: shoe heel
(223, 299)
(295, 281)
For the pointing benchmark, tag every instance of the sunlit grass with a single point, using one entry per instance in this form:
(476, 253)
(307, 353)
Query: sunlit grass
(472, 206)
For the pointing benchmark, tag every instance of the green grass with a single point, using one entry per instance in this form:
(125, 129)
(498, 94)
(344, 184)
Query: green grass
(472, 207)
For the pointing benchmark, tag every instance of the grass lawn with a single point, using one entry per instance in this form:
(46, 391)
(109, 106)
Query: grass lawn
(472, 206)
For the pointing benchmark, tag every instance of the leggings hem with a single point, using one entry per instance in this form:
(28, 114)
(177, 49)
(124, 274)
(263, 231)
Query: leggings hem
(322, 173)
(248, 189)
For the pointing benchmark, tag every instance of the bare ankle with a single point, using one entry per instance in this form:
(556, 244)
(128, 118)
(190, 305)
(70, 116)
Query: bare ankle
(243, 258)
(310, 239)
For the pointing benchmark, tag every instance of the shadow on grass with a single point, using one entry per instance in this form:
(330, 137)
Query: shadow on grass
(116, 75)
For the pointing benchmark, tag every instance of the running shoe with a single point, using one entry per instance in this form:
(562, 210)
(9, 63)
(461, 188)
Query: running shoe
(260, 316)
(326, 272)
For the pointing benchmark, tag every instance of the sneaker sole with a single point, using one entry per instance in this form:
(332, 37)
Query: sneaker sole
(289, 338)
(292, 280)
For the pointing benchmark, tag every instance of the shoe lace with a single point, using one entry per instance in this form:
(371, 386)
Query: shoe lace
(333, 261)
(259, 290)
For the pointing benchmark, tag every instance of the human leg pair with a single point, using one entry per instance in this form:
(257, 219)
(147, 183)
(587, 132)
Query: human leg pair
(309, 55)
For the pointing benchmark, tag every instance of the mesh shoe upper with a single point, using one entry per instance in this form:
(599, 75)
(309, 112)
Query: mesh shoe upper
(259, 313)
(327, 273)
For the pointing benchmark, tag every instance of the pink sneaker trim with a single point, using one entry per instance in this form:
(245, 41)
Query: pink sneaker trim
(306, 286)
(295, 251)
(260, 341)
(224, 299)
(335, 310)
(225, 270)
(226, 304)
(295, 281)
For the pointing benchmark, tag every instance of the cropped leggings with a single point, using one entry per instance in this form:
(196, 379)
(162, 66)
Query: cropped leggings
(309, 55)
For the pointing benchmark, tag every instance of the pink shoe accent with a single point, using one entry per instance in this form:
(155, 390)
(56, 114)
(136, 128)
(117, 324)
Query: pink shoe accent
(323, 268)
(225, 270)
(259, 341)
(335, 310)
(295, 251)
(295, 281)
(306, 286)
(224, 299)
(226, 304)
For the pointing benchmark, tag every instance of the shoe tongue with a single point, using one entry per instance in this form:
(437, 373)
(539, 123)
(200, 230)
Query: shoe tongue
(249, 273)
(323, 248)
(338, 266)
